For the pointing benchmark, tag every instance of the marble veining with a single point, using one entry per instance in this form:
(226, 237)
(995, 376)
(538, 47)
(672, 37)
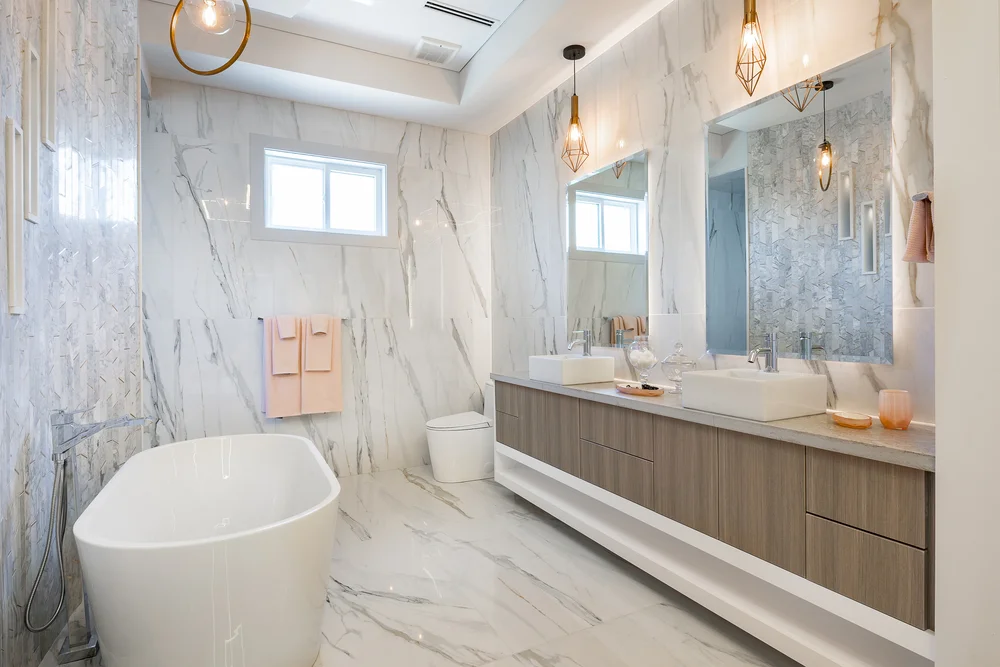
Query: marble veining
(416, 318)
(471, 575)
(913, 448)
(78, 344)
(655, 90)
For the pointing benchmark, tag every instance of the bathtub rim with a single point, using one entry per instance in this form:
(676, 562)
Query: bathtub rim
(81, 535)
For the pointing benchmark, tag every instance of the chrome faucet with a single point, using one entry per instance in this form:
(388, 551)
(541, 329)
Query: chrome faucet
(770, 352)
(806, 347)
(67, 433)
(584, 338)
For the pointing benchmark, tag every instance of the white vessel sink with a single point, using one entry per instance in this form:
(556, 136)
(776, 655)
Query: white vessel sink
(571, 369)
(752, 394)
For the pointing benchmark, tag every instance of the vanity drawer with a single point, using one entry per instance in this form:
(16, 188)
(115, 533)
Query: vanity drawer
(508, 430)
(508, 398)
(628, 431)
(622, 474)
(879, 573)
(686, 473)
(877, 497)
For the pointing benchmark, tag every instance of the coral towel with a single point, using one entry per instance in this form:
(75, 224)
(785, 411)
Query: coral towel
(920, 236)
(322, 384)
(282, 384)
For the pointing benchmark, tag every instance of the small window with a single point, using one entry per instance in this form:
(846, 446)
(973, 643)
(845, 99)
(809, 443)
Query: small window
(608, 223)
(321, 194)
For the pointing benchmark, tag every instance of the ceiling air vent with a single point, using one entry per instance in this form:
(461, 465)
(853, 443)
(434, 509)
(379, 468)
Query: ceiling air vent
(460, 13)
(435, 50)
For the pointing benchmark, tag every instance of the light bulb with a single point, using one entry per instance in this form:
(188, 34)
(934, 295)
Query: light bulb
(574, 132)
(751, 36)
(825, 160)
(215, 17)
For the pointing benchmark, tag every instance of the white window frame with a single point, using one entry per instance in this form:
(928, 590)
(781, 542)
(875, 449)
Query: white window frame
(333, 157)
(597, 193)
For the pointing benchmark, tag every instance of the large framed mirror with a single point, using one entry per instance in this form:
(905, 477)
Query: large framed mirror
(608, 251)
(796, 234)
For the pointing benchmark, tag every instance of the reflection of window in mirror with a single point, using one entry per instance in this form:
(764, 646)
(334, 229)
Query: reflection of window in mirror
(608, 223)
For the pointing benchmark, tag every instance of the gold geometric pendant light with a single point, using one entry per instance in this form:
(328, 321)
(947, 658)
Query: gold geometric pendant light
(575, 151)
(803, 93)
(752, 56)
(216, 17)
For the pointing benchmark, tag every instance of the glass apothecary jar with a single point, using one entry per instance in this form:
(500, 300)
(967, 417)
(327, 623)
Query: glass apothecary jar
(675, 366)
(641, 357)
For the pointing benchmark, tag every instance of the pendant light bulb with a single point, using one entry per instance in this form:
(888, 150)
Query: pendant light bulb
(575, 151)
(216, 17)
(752, 55)
(824, 160)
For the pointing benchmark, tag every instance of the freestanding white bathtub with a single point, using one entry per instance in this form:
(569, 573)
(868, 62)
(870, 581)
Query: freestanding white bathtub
(212, 553)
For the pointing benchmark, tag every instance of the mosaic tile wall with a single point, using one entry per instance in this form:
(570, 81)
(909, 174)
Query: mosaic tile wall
(416, 317)
(656, 90)
(78, 345)
(802, 277)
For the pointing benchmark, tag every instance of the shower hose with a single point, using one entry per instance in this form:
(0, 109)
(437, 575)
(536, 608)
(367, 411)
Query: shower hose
(57, 518)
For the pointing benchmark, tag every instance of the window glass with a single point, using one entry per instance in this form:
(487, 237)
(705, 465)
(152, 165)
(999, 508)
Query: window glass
(295, 196)
(353, 203)
(618, 227)
(588, 225)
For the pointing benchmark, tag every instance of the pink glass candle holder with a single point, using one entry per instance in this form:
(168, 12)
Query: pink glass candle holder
(895, 410)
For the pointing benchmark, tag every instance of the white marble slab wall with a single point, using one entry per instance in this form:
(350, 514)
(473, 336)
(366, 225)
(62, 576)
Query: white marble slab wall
(655, 90)
(78, 344)
(416, 318)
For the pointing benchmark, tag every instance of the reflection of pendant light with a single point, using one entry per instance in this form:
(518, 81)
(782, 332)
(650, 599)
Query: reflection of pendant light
(824, 161)
(752, 56)
(216, 17)
(575, 151)
(803, 93)
(619, 168)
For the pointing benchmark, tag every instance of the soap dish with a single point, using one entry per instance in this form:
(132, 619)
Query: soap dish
(852, 420)
(637, 390)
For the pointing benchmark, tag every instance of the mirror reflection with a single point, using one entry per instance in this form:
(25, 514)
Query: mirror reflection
(798, 208)
(608, 250)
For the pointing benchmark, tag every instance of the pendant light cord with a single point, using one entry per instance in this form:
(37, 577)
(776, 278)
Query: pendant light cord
(574, 77)
(824, 113)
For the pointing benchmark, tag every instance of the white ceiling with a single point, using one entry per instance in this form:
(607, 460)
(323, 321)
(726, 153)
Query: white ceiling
(358, 54)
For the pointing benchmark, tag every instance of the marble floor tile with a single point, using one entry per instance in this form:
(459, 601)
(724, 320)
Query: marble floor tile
(427, 575)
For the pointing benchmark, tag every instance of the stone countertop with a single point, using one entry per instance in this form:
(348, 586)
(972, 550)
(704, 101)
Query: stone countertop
(913, 448)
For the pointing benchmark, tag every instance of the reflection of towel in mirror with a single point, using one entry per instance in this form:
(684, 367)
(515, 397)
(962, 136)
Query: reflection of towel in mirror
(920, 236)
(632, 325)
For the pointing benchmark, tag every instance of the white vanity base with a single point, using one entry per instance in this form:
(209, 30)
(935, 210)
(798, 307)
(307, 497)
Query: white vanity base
(813, 625)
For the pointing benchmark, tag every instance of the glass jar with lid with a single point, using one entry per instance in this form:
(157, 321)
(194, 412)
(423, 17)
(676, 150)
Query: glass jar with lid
(641, 357)
(675, 366)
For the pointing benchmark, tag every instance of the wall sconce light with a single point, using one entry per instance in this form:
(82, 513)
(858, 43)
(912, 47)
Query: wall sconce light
(803, 93)
(752, 56)
(216, 17)
(824, 160)
(575, 151)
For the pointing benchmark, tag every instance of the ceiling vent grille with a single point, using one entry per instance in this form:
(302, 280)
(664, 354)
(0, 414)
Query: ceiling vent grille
(435, 50)
(460, 13)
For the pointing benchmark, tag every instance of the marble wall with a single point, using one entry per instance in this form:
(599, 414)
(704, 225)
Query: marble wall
(802, 276)
(655, 90)
(78, 345)
(416, 317)
(726, 264)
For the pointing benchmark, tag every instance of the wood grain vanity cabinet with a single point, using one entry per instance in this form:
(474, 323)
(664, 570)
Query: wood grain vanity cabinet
(686, 473)
(859, 527)
(622, 474)
(628, 431)
(762, 505)
(880, 573)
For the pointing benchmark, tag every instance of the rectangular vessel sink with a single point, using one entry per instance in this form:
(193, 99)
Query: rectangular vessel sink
(571, 369)
(752, 394)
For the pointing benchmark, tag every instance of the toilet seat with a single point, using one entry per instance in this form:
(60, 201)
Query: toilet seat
(466, 421)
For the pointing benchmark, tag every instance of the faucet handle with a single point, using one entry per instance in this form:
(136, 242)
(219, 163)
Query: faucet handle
(60, 417)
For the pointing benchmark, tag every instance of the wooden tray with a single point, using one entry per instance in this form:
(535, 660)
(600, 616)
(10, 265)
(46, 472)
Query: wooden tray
(636, 390)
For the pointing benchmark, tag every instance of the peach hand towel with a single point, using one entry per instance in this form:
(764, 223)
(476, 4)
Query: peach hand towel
(323, 391)
(282, 391)
(318, 355)
(920, 236)
(284, 345)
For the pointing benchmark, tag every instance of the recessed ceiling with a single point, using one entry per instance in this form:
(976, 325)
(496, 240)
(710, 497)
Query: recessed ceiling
(360, 55)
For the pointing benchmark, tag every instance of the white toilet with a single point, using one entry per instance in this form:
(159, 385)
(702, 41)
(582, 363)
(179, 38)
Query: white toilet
(462, 445)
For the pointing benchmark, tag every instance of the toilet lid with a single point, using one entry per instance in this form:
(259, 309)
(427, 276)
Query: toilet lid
(466, 421)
